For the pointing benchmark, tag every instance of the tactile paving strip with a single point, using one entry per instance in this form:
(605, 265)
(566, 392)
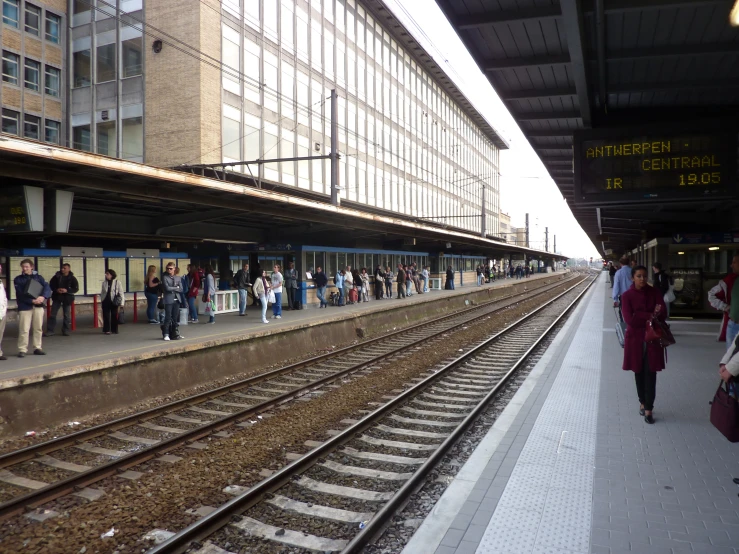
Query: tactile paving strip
(546, 506)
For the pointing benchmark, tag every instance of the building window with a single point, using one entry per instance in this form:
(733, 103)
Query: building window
(53, 27)
(106, 138)
(52, 131)
(81, 139)
(133, 139)
(10, 12)
(11, 122)
(52, 81)
(131, 57)
(81, 63)
(31, 126)
(32, 77)
(10, 67)
(33, 19)
(105, 70)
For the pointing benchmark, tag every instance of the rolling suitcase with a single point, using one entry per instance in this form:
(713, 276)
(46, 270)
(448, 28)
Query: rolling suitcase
(620, 325)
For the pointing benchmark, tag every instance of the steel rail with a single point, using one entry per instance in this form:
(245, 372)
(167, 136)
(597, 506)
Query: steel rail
(30, 452)
(73, 483)
(217, 519)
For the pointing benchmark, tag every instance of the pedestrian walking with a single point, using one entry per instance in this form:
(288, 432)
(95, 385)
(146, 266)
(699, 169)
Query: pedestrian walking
(276, 286)
(611, 272)
(321, 281)
(242, 284)
(63, 286)
(209, 292)
(638, 305)
(151, 291)
(291, 286)
(364, 277)
(3, 313)
(31, 292)
(260, 289)
(171, 287)
(449, 278)
(112, 298)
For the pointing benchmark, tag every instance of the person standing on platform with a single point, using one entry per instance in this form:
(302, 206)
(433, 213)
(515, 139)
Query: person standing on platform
(321, 282)
(260, 291)
(416, 278)
(426, 274)
(291, 285)
(479, 273)
(151, 291)
(241, 281)
(277, 281)
(192, 293)
(64, 286)
(389, 283)
(449, 285)
(722, 298)
(31, 292)
(112, 298)
(661, 282)
(209, 292)
(172, 287)
(638, 305)
(364, 277)
(622, 280)
(339, 282)
(401, 281)
(348, 283)
(379, 282)
(611, 272)
(3, 313)
(408, 280)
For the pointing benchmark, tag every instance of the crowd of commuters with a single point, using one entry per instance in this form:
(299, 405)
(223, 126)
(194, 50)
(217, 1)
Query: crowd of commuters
(172, 298)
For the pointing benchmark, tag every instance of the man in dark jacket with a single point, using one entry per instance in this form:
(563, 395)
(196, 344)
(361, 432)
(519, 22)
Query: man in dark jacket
(291, 285)
(401, 281)
(379, 282)
(321, 281)
(30, 308)
(63, 286)
(241, 281)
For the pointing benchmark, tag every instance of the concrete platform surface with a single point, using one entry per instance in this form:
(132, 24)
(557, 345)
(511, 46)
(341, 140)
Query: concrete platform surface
(88, 349)
(571, 467)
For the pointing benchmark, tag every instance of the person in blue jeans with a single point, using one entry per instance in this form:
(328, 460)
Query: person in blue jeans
(339, 282)
(321, 281)
(151, 291)
(276, 286)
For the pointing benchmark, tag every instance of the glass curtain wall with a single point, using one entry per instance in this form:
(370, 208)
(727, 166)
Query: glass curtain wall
(406, 146)
(107, 109)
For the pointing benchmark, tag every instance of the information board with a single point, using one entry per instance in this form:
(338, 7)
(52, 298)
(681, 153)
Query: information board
(696, 161)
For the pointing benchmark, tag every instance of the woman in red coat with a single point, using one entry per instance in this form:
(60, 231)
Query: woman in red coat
(638, 305)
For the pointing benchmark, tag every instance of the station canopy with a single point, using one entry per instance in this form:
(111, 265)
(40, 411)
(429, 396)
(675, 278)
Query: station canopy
(631, 105)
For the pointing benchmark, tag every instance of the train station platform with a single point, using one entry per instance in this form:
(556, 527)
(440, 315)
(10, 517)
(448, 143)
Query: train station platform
(137, 364)
(571, 467)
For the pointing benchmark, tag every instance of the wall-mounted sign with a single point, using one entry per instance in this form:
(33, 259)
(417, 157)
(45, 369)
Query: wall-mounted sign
(693, 161)
(21, 209)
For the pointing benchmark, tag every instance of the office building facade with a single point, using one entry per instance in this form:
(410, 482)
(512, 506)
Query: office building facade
(187, 82)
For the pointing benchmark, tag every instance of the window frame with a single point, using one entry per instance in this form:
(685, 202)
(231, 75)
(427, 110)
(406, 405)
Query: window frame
(6, 19)
(26, 68)
(55, 39)
(36, 11)
(7, 57)
(28, 120)
(5, 114)
(55, 93)
(58, 130)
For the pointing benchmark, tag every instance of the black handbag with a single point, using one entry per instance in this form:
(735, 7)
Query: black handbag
(725, 412)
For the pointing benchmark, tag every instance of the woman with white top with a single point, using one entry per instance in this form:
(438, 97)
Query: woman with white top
(210, 289)
(261, 290)
(276, 286)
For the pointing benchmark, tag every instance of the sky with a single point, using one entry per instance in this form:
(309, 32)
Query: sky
(525, 184)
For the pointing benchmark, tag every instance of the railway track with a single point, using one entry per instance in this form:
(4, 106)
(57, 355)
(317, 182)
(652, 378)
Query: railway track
(341, 494)
(71, 463)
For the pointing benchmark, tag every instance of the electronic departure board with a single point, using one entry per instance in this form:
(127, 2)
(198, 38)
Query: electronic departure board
(14, 211)
(613, 166)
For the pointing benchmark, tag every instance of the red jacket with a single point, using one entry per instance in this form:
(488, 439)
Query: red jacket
(637, 307)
